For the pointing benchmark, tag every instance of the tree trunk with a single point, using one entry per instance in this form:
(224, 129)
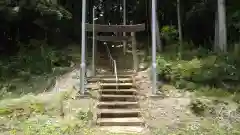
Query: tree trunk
(124, 23)
(179, 25)
(159, 43)
(216, 36)
(222, 26)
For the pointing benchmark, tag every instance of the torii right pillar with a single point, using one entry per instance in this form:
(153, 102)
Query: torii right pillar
(154, 43)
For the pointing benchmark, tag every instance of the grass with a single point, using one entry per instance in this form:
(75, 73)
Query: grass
(31, 114)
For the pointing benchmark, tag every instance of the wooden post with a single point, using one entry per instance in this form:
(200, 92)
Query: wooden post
(134, 52)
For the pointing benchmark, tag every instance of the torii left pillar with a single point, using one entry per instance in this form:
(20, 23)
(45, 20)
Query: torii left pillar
(83, 47)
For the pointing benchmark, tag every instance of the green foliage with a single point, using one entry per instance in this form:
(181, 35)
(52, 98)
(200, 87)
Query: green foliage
(169, 32)
(34, 62)
(38, 60)
(47, 126)
(34, 115)
(44, 7)
(211, 70)
(200, 68)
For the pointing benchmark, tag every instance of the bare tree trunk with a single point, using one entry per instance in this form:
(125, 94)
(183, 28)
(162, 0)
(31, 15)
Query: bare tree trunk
(179, 24)
(159, 44)
(216, 36)
(124, 23)
(222, 26)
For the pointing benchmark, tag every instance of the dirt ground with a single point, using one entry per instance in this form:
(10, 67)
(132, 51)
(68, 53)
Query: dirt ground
(171, 110)
(168, 110)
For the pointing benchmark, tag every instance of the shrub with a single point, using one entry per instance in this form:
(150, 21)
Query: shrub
(169, 33)
(201, 67)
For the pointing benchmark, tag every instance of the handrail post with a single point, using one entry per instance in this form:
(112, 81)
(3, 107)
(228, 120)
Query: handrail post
(113, 65)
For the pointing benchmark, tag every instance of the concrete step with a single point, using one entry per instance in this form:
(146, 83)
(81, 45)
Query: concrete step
(123, 129)
(117, 105)
(111, 80)
(129, 98)
(118, 113)
(122, 75)
(135, 121)
(113, 85)
(118, 91)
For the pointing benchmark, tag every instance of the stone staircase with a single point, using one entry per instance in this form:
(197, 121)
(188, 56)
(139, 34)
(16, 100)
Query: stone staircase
(118, 110)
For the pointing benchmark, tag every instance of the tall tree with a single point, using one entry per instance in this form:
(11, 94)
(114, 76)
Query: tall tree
(179, 25)
(222, 25)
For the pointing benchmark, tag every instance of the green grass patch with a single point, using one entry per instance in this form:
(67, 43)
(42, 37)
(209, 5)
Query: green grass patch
(31, 114)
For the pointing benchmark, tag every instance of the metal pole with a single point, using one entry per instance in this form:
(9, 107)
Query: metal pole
(124, 23)
(93, 45)
(154, 65)
(83, 64)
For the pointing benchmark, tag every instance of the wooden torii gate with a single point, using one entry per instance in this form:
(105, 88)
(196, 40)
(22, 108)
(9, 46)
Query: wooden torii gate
(95, 28)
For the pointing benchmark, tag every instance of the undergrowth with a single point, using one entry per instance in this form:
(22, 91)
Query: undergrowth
(202, 71)
(31, 115)
(34, 66)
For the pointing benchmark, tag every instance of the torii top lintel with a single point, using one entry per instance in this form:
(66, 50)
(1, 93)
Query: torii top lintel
(115, 28)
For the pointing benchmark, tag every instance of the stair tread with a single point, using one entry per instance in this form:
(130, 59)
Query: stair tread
(119, 79)
(116, 84)
(110, 79)
(119, 111)
(131, 90)
(113, 95)
(117, 103)
(129, 119)
(112, 76)
(123, 129)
